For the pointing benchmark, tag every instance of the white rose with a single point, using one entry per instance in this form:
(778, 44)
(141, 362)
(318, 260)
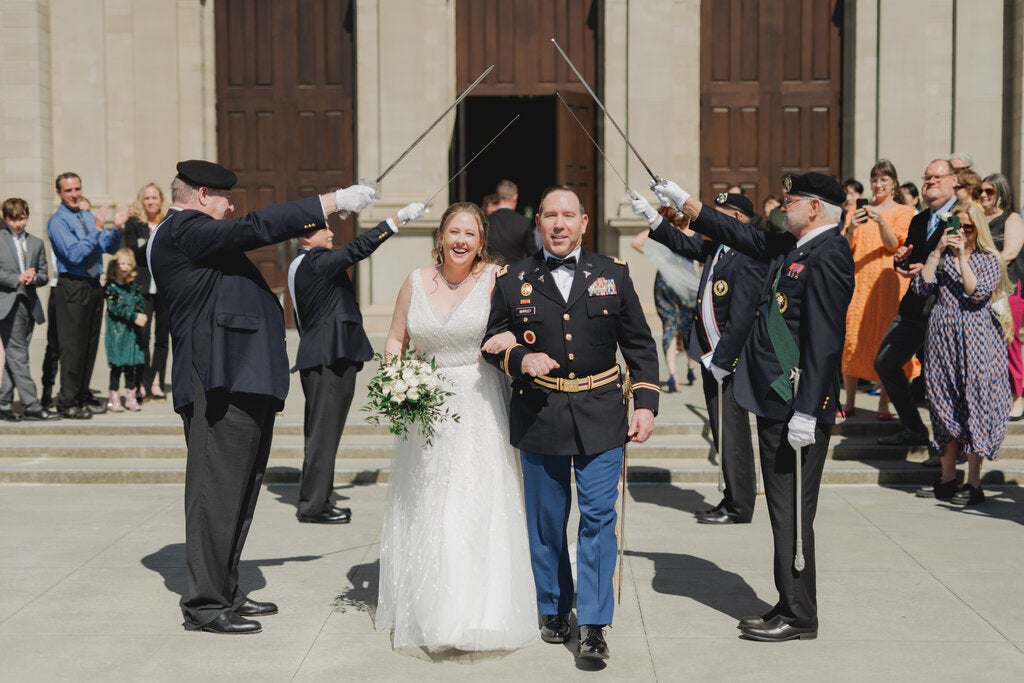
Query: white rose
(413, 394)
(387, 387)
(397, 398)
(400, 387)
(429, 382)
(945, 216)
(411, 378)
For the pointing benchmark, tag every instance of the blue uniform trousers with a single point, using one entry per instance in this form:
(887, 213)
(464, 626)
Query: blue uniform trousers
(546, 487)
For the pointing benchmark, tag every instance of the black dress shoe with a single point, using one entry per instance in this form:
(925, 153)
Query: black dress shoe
(757, 620)
(940, 489)
(255, 608)
(9, 416)
(905, 438)
(42, 414)
(232, 624)
(720, 517)
(968, 495)
(76, 413)
(776, 630)
(554, 628)
(709, 511)
(329, 516)
(592, 644)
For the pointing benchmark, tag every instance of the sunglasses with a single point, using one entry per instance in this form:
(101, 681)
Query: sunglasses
(968, 227)
(987, 191)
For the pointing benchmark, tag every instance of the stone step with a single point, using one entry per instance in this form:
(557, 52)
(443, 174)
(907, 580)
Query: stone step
(690, 445)
(376, 470)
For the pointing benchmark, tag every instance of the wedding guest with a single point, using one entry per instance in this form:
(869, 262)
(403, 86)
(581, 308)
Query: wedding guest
(910, 196)
(147, 211)
(968, 386)
(126, 315)
(968, 182)
(454, 556)
(1007, 228)
(875, 231)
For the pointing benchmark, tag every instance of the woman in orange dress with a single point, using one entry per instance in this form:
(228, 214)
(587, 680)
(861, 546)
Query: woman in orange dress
(875, 232)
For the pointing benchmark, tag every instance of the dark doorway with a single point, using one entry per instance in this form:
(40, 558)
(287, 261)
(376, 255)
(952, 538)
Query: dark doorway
(524, 154)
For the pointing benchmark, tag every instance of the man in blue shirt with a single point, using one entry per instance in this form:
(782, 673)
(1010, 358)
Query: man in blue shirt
(79, 242)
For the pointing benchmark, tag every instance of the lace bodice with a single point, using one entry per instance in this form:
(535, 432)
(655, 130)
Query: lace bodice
(455, 341)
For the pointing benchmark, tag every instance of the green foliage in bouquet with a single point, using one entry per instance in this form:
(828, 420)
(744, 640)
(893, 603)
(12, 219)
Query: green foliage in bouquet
(408, 391)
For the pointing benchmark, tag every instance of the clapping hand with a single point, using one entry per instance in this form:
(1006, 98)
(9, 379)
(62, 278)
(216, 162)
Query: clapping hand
(101, 216)
(120, 217)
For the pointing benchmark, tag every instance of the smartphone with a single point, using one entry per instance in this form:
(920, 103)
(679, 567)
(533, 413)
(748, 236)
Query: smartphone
(953, 225)
(862, 202)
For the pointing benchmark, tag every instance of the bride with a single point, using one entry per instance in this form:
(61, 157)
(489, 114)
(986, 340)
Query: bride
(454, 556)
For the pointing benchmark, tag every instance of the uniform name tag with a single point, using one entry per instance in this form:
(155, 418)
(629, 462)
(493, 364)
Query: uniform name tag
(602, 287)
(526, 310)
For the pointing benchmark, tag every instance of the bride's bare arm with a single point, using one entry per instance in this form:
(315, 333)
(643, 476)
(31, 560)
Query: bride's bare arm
(498, 342)
(398, 335)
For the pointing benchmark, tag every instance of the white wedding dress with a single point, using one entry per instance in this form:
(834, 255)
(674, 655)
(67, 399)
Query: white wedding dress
(455, 568)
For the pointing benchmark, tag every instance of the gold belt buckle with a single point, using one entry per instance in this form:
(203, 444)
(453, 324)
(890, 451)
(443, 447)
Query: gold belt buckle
(569, 385)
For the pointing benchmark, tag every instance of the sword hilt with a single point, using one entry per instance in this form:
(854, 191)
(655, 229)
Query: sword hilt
(342, 215)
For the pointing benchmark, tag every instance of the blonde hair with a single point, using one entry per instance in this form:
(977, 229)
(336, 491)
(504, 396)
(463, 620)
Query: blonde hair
(138, 212)
(112, 266)
(984, 241)
(482, 258)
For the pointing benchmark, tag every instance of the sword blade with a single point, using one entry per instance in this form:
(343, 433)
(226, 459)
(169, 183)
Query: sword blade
(590, 137)
(436, 121)
(459, 172)
(597, 100)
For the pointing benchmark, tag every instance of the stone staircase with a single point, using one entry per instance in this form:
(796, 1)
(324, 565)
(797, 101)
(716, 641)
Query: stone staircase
(148, 447)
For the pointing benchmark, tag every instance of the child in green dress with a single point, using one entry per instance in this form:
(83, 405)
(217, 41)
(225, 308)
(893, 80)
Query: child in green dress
(125, 317)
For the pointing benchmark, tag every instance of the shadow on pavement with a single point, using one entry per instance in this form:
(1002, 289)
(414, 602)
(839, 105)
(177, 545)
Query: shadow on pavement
(288, 493)
(672, 497)
(704, 582)
(169, 562)
(362, 596)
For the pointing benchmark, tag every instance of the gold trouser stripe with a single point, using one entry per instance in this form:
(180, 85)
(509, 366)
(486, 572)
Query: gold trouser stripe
(577, 384)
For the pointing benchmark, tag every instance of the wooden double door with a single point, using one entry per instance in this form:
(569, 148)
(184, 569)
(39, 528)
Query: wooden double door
(770, 92)
(285, 108)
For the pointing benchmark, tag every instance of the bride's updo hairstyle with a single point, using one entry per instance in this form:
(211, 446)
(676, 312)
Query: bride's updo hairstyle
(483, 258)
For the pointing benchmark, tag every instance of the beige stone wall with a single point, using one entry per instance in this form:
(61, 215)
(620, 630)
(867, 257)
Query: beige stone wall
(926, 80)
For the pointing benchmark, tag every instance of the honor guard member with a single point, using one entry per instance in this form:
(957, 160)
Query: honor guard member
(332, 349)
(230, 370)
(570, 309)
(729, 291)
(788, 374)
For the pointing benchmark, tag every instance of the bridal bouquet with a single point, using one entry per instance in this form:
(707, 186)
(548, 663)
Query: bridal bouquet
(408, 391)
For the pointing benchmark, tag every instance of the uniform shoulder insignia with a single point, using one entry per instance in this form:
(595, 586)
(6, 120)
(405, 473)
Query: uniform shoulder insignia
(503, 270)
(619, 261)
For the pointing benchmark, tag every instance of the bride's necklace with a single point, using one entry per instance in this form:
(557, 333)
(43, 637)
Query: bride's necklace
(453, 285)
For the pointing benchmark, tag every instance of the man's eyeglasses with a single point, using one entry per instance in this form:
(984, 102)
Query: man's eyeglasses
(935, 178)
(790, 200)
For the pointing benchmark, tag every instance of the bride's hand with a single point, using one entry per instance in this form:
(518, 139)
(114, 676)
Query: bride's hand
(499, 342)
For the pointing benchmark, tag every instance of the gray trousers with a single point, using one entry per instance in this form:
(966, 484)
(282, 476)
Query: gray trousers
(16, 333)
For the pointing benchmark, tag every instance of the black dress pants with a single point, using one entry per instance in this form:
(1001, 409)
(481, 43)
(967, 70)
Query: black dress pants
(158, 322)
(51, 357)
(328, 391)
(228, 437)
(79, 318)
(798, 602)
(738, 458)
(902, 340)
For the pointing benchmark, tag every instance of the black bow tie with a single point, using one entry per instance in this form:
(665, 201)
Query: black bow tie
(554, 262)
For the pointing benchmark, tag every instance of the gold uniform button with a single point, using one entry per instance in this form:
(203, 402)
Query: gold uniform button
(572, 356)
(520, 392)
(604, 311)
(565, 316)
(572, 375)
(568, 337)
(757, 314)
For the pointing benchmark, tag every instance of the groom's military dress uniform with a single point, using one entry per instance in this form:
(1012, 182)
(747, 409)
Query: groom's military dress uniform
(575, 412)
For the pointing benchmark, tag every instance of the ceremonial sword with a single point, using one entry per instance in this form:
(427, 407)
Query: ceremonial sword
(459, 172)
(798, 559)
(375, 184)
(627, 392)
(657, 179)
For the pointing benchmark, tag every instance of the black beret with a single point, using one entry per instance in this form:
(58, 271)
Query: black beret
(817, 185)
(736, 201)
(199, 173)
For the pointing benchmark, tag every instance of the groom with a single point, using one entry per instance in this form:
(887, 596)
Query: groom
(569, 310)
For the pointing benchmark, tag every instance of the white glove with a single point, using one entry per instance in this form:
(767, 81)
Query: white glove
(642, 207)
(670, 194)
(719, 373)
(801, 431)
(412, 212)
(355, 198)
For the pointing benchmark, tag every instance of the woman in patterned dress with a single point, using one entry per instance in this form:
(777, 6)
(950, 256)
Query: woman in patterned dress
(875, 232)
(967, 382)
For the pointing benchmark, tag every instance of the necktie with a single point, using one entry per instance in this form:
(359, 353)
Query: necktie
(81, 221)
(22, 252)
(555, 262)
